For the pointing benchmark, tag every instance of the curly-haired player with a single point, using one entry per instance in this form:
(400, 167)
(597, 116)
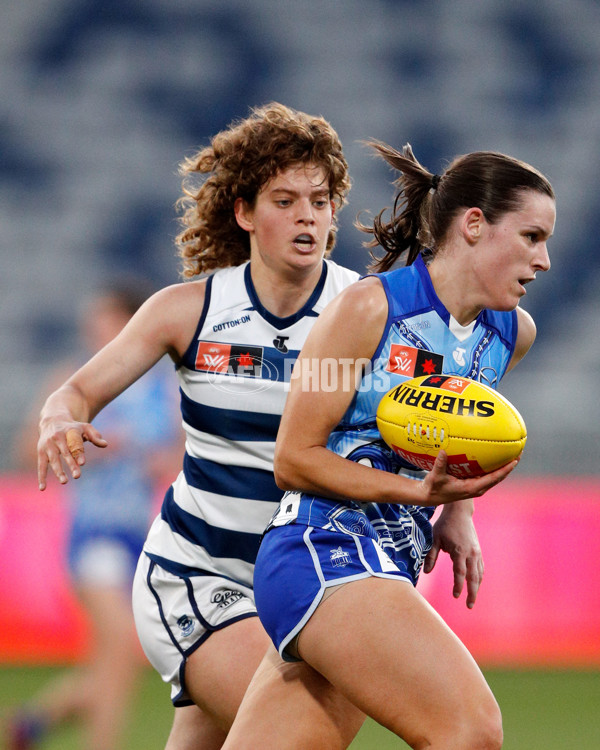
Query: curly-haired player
(259, 209)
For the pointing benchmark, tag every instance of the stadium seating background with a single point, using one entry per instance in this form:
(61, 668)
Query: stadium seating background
(102, 98)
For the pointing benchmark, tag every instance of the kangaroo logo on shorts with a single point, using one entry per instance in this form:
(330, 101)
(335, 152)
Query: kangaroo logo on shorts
(186, 624)
(339, 558)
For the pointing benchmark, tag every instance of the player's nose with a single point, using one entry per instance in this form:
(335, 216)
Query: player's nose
(543, 258)
(305, 213)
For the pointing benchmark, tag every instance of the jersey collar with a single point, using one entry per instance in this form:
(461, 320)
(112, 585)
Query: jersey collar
(274, 320)
(436, 303)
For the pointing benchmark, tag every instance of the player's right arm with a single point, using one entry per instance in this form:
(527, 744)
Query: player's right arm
(345, 336)
(164, 324)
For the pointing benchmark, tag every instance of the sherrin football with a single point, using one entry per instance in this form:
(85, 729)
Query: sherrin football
(479, 429)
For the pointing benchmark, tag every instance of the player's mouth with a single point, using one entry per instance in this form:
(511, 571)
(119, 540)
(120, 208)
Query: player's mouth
(525, 281)
(304, 242)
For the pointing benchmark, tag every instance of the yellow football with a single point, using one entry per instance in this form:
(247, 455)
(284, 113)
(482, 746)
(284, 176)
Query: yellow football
(479, 429)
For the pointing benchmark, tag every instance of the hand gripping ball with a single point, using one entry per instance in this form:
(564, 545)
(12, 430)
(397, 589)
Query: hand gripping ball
(479, 429)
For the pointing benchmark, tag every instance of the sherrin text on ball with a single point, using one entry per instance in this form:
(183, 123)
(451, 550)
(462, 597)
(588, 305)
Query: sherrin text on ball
(479, 429)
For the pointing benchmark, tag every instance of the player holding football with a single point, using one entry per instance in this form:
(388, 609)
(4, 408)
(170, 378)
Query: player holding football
(273, 184)
(334, 571)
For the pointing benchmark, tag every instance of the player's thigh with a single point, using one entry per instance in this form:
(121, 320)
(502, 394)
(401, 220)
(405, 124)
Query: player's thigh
(392, 655)
(290, 706)
(219, 671)
(202, 635)
(194, 730)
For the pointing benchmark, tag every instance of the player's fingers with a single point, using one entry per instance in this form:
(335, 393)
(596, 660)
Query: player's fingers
(91, 434)
(75, 445)
(431, 557)
(58, 450)
(441, 463)
(481, 485)
(42, 471)
(437, 476)
(474, 579)
(459, 569)
(53, 459)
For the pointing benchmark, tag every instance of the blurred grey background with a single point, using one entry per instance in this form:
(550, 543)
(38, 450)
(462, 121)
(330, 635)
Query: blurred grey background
(102, 98)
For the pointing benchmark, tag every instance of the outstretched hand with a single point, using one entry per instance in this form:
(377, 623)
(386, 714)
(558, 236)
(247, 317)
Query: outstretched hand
(65, 444)
(439, 487)
(455, 534)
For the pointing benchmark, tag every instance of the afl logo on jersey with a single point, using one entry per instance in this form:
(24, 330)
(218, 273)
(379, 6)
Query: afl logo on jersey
(224, 365)
(412, 362)
(230, 359)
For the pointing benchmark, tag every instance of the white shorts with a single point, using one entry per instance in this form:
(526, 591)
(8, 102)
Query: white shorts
(175, 614)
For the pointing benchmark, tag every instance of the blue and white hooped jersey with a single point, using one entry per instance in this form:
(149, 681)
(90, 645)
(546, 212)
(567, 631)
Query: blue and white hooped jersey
(234, 380)
(420, 337)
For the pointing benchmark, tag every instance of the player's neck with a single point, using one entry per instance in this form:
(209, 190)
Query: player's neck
(284, 294)
(453, 290)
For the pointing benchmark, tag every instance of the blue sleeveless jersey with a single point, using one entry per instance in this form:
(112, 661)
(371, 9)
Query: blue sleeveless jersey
(233, 381)
(420, 338)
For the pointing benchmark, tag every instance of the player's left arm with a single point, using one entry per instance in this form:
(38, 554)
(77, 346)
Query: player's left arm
(526, 332)
(454, 533)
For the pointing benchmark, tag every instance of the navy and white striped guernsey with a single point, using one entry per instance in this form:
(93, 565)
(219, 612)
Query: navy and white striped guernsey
(233, 381)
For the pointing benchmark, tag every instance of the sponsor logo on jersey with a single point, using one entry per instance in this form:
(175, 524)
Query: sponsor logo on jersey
(459, 355)
(231, 359)
(186, 624)
(488, 376)
(226, 598)
(339, 558)
(280, 345)
(231, 323)
(412, 362)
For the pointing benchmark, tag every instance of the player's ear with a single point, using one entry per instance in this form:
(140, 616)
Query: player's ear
(243, 214)
(471, 224)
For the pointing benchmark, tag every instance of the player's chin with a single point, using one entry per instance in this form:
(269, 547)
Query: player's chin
(307, 258)
(511, 302)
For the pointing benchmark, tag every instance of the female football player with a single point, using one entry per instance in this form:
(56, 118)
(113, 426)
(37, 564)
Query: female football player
(259, 208)
(335, 574)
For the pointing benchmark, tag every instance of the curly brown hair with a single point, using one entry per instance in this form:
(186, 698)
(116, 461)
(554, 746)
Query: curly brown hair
(239, 161)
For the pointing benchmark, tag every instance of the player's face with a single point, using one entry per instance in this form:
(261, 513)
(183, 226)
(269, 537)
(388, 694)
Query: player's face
(290, 221)
(514, 251)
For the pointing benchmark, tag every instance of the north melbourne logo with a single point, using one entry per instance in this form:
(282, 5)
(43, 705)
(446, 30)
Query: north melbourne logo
(339, 558)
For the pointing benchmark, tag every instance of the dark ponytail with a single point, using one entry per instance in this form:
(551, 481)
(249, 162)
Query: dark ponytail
(426, 203)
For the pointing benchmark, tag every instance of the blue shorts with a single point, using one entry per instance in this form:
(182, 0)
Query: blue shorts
(297, 563)
(98, 557)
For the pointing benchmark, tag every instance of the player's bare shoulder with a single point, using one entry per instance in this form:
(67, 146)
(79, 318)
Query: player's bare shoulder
(354, 320)
(365, 298)
(526, 334)
(173, 313)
